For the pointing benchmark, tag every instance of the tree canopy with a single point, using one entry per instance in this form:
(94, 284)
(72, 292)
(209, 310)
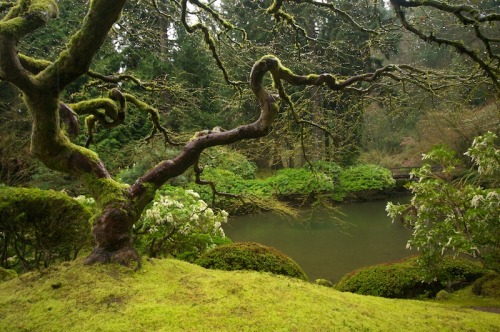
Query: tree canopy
(296, 70)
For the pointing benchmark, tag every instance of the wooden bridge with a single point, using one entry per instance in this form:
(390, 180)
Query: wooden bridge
(403, 173)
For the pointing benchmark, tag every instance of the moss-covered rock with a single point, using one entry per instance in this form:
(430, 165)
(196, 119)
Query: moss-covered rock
(407, 279)
(443, 295)
(251, 256)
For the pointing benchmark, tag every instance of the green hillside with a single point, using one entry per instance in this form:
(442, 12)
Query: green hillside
(171, 295)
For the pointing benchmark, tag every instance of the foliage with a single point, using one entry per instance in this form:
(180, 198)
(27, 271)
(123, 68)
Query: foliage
(229, 160)
(251, 256)
(146, 156)
(313, 183)
(249, 196)
(488, 285)
(39, 227)
(300, 183)
(455, 215)
(407, 279)
(354, 179)
(366, 177)
(179, 224)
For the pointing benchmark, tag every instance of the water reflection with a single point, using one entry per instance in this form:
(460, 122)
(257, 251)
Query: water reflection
(326, 249)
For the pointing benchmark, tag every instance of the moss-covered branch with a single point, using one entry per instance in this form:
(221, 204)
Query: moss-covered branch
(22, 18)
(27, 16)
(108, 112)
(75, 60)
(115, 78)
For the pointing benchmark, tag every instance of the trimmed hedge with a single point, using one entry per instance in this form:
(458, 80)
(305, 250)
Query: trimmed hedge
(251, 256)
(407, 279)
(38, 227)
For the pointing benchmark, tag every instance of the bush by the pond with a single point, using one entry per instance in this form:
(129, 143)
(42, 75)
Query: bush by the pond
(222, 157)
(38, 227)
(251, 256)
(365, 177)
(256, 195)
(488, 285)
(300, 183)
(407, 279)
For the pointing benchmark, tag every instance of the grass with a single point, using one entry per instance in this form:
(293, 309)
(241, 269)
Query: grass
(171, 295)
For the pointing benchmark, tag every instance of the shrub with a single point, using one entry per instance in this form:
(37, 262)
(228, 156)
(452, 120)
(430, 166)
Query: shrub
(256, 194)
(458, 216)
(407, 279)
(366, 177)
(300, 183)
(179, 224)
(251, 256)
(230, 160)
(39, 226)
(488, 285)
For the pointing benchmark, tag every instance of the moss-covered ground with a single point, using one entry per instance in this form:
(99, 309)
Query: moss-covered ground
(171, 295)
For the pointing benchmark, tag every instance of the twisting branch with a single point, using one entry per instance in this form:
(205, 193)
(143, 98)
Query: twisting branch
(489, 67)
(209, 40)
(103, 111)
(269, 109)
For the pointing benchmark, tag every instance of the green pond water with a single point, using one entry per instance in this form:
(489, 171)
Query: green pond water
(322, 246)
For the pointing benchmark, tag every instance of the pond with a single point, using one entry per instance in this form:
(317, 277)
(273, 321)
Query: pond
(324, 247)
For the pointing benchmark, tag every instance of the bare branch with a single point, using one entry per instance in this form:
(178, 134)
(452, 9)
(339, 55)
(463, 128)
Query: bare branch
(209, 40)
(154, 116)
(115, 78)
(489, 67)
(197, 172)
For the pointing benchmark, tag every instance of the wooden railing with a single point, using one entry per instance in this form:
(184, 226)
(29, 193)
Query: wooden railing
(403, 173)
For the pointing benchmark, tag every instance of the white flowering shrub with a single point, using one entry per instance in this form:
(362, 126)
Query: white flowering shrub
(455, 215)
(179, 224)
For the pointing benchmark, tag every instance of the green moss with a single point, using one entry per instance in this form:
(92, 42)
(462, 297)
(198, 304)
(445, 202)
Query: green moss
(251, 256)
(171, 295)
(106, 190)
